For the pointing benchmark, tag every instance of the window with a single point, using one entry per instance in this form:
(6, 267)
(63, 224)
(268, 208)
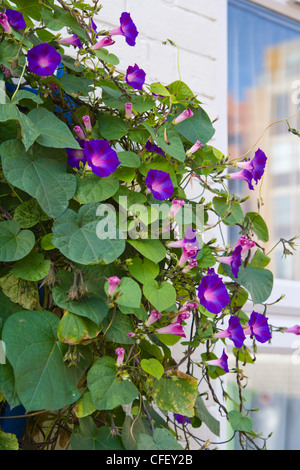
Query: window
(264, 87)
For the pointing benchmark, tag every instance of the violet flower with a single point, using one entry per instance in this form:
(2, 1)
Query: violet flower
(113, 283)
(245, 243)
(258, 327)
(182, 419)
(120, 353)
(153, 317)
(135, 77)
(221, 362)
(43, 60)
(152, 148)
(127, 29)
(15, 19)
(212, 292)
(71, 41)
(104, 42)
(294, 330)
(76, 156)
(245, 175)
(194, 148)
(102, 159)
(128, 109)
(190, 237)
(256, 166)
(234, 332)
(172, 329)
(87, 122)
(4, 23)
(187, 113)
(160, 184)
(234, 261)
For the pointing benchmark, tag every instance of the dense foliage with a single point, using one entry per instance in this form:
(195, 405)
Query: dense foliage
(116, 299)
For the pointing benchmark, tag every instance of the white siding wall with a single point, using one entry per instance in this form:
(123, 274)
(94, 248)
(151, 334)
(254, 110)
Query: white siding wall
(198, 27)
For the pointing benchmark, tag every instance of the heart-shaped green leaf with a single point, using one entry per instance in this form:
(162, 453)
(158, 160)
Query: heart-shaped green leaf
(75, 235)
(41, 173)
(152, 367)
(161, 296)
(15, 244)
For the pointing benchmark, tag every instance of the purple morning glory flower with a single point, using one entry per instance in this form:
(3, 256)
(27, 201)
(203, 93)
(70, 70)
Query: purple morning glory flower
(152, 148)
(15, 19)
(212, 292)
(43, 60)
(234, 332)
(256, 166)
(245, 175)
(258, 327)
(234, 261)
(160, 184)
(222, 362)
(182, 419)
(135, 77)
(75, 156)
(127, 28)
(71, 41)
(102, 159)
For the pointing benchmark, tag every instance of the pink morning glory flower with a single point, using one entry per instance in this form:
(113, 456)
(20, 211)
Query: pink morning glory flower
(79, 132)
(152, 148)
(127, 29)
(104, 42)
(256, 166)
(189, 250)
(4, 23)
(76, 156)
(221, 362)
(194, 148)
(234, 261)
(188, 307)
(113, 283)
(87, 122)
(160, 184)
(258, 327)
(177, 204)
(189, 245)
(172, 329)
(43, 60)
(294, 330)
(181, 317)
(128, 109)
(135, 77)
(120, 353)
(234, 332)
(245, 243)
(153, 317)
(192, 263)
(15, 19)
(71, 41)
(187, 113)
(212, 292)
(102, 159)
